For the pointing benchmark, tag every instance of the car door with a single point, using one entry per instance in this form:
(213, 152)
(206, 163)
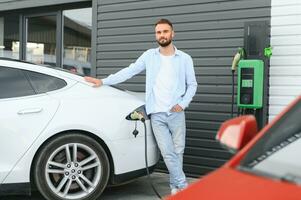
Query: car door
(24, 114)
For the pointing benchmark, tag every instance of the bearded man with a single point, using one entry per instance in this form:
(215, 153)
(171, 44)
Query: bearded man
(170, 86)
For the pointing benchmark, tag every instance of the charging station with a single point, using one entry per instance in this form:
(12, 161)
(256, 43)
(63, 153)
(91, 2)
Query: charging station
(250, 84)
(252, 63)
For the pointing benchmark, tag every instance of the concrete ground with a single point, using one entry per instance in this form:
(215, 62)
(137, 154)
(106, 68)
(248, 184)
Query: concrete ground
(138, 189)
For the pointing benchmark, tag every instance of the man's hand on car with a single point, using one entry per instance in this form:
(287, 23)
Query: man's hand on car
(97, 82)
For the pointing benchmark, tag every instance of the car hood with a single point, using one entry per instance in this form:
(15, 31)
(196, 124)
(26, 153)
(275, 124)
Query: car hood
(227, 183)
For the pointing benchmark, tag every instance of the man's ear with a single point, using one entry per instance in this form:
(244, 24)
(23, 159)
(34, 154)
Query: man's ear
(172, 34)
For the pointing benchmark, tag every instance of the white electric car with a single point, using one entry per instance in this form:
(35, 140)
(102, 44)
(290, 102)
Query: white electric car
(65, 137)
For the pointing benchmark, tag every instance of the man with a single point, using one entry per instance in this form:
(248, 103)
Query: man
(170, 86)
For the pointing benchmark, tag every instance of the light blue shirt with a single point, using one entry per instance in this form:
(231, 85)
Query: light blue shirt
(185, 86)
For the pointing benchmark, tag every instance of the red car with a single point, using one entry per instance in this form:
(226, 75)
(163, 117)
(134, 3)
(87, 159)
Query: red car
(266, 167)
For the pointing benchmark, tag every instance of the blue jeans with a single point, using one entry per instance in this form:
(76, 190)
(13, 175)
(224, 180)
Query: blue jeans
(170, 132)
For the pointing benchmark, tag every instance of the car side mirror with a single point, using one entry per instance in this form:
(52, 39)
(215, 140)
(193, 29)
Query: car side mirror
(237, 132)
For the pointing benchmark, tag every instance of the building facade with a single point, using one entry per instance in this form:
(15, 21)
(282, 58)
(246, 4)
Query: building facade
(285, 68)
(58, 33)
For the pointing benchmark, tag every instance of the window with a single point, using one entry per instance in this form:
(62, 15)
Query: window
(41, 40)
(9, 36)
(13, 83)
(44, 83)
(77, 40)
(56, 36)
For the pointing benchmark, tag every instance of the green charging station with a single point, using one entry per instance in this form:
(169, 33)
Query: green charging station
(250, 84)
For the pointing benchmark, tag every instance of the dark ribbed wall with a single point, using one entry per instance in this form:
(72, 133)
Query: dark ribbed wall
(210, 31)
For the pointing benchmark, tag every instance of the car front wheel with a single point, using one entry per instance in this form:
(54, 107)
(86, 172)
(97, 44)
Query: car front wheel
(71, 166)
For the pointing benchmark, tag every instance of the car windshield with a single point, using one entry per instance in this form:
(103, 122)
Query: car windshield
(277, 153)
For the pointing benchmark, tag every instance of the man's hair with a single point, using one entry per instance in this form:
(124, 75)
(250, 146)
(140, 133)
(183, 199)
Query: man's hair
(164, 21)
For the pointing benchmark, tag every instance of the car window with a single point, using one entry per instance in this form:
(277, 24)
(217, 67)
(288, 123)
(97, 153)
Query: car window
(277, 152)
(13, 83)
(44, 83)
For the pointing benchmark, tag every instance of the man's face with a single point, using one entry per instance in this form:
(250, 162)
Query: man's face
(164, 34)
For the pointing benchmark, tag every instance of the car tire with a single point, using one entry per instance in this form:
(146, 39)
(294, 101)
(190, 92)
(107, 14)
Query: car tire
(71, 166)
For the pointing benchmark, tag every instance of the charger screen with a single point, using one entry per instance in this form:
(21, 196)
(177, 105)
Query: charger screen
(247, 83)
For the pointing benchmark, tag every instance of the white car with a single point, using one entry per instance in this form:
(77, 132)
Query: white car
(65, 137)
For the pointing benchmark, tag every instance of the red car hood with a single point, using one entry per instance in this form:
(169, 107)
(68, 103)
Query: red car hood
(230, 184)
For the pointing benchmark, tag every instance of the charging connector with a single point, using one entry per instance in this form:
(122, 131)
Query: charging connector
(137, 116)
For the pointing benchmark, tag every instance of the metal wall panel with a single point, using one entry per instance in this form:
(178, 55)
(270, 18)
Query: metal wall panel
(285, 70)
(210, 31)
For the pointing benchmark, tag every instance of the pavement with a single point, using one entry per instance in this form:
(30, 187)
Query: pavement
(138, 189)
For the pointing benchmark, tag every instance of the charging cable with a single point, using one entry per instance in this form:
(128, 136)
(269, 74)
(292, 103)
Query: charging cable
(238, 56)
(138, 116)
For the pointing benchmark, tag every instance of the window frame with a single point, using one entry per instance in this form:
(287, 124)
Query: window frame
(58, 11)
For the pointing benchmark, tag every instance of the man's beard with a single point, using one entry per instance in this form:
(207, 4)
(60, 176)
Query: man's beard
(164, 44)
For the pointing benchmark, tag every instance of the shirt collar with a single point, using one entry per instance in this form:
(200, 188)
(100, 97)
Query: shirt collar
(176, 50)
